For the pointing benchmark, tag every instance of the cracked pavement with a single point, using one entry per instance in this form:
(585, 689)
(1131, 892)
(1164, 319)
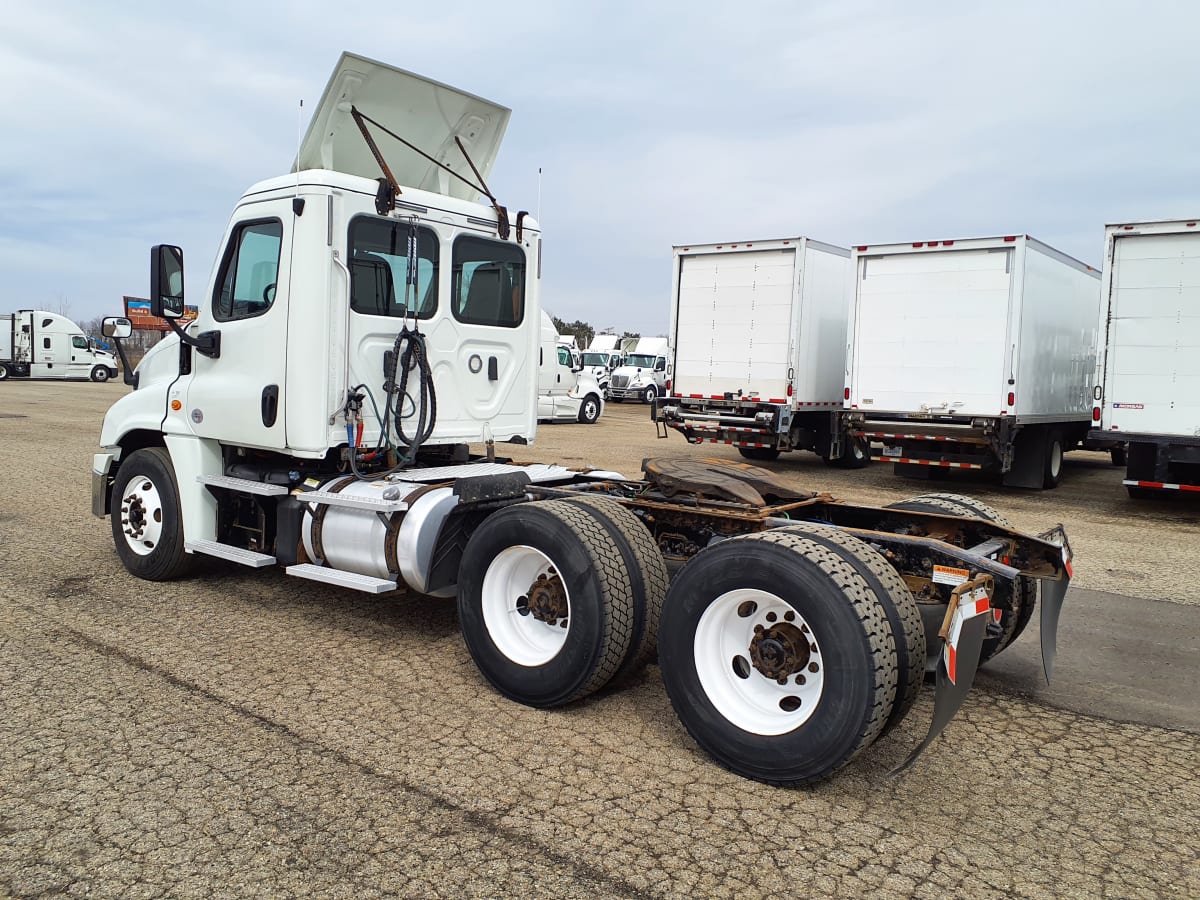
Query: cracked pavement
(246, 733)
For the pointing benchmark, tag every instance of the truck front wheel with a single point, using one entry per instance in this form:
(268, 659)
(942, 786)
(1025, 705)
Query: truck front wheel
(146, 523)
(649, 394)
(544, 602)
(589, 410)
(100, 374)
(778, 657)
(3, 372)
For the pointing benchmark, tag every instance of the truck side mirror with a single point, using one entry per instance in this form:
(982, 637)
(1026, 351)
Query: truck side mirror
(115, 327)
(166, 281)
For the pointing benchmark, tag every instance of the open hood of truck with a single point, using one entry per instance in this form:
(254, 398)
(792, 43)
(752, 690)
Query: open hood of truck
(425, 113)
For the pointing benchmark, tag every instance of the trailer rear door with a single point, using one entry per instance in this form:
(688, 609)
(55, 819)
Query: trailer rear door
(733, 324)
(931, 330)
(1153, 357)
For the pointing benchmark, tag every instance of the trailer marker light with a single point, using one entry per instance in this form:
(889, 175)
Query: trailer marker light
(947, 243)
(176, 405)
(1012, 398)
(917, 244)
(862, 247)
(846, 394)
(1095, 414)
(1127, 227)
(1191, 224)
(1011, 238)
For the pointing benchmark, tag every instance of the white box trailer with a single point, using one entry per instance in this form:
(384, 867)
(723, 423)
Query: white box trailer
(1148, 392)
(973, 354)
(759, 331)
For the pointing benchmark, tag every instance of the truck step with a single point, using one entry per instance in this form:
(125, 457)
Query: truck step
(233, 554)
(352, 580)
(245, 485)
(372, 504)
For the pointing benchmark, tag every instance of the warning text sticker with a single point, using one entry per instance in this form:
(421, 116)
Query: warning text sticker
(949, 575)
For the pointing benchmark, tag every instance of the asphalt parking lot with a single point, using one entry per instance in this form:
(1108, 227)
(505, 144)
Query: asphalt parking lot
(245, 733)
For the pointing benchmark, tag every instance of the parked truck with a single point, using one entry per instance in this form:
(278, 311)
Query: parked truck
(39, 344)
(567, 390)
(759, 336)
(643, 373)
(363, 353)
(1147, 393)
(973, 354)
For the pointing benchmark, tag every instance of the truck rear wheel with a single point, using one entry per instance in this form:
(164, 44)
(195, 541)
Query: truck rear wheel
(1012, 621)
(749, 634)
(904, 616)
(100, 374)
(146, 523)
(857, 455)
(1052, 473)
(760, 454)
(648, 577)
(544, 604)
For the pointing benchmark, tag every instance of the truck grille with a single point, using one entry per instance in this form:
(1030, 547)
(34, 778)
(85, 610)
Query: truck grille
(620, 381)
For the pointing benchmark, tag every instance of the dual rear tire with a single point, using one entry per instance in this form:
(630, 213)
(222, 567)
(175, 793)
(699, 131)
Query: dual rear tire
(557, 599)
(787, 653)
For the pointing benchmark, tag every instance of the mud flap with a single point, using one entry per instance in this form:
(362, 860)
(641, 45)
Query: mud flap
(1053, 593)
(956, 666)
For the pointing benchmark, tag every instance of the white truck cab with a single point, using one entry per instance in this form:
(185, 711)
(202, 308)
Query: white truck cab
(39, 344)
(567, 391)
(643, 374)
(368, 321)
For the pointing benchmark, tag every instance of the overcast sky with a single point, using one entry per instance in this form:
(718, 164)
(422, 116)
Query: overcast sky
(655, 124)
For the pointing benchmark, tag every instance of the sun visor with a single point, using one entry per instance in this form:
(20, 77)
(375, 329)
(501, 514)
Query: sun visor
(425, 113)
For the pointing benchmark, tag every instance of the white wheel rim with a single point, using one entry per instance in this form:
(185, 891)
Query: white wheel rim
(751, 700)
(1056, 458)
(142, 515)
(518, 633)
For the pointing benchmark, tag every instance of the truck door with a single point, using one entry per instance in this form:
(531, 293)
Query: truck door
(239, 397)
(51, 355)
(80, 364)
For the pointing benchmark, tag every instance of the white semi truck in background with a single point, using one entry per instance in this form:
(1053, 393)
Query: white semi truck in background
(973, 354)
(369, 322)
(567, 390)
(759, 336)
(39, 344)
(1148, 389)
(643, 373)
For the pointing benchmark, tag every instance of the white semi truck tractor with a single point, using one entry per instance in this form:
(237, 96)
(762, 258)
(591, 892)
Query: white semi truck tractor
(369, 323)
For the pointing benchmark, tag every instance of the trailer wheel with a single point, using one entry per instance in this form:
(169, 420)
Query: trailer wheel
(1025, 591)
(777, 656)
(100, 374)
(648, 577)
(589, 410)
(1052, 473)
(761, 454)
(146, 523)
(856, 456)
(904, 616)
(649, 394)
(3, 372)
(544, 603)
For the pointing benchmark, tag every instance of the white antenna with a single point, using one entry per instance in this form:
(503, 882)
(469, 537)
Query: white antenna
(539, 206)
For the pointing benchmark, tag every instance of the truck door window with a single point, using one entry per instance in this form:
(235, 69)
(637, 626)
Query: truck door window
(79, 342)
(249, 271)
(379, 268)
(564, 357)
(489, 282)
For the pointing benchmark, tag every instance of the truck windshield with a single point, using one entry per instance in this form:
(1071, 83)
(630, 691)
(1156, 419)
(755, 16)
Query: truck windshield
(595, 359)
(379, 268)
(641, 360)
(489, 282)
